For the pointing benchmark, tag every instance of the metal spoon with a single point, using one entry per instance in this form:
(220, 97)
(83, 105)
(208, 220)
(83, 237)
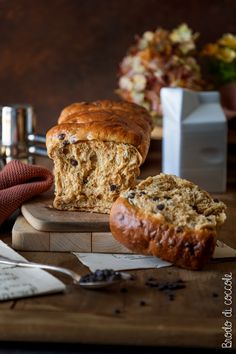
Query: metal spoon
(75, 277)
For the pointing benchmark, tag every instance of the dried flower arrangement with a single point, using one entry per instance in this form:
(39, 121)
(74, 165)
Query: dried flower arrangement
(220, 60)
(159, 59)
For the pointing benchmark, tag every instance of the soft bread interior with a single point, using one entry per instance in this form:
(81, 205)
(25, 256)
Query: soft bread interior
(178, 202)
(89, 175)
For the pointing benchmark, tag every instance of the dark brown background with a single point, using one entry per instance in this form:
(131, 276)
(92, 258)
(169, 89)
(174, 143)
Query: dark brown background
(55, 52)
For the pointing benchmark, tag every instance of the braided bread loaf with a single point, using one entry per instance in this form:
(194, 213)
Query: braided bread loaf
(97, 149)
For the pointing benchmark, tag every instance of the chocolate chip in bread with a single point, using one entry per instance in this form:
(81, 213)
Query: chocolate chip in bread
(170, 218)
(97, 150)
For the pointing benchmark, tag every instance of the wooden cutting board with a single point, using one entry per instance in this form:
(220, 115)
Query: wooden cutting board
(43, 228)
(26, 238)
(40, 214)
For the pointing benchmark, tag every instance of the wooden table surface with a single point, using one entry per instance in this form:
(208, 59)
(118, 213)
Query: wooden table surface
(118, 316)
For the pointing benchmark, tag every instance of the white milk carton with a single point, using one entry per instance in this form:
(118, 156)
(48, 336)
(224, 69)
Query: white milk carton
(194, 137)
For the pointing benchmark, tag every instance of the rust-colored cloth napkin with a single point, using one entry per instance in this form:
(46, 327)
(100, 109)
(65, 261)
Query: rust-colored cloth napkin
(20, 182)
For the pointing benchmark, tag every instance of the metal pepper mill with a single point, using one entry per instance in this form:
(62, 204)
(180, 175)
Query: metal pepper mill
(17, 135)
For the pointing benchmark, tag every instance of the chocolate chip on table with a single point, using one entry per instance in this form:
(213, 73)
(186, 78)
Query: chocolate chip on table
(166, 286)
(61, 136)
(142, 303)
(73, 162)
(162, 286)
(170, 294)
(152, 283)
(171, 297)
(117, 311)
(176, 286)
(151, 279)
(113, 187)
(160, 206)
(215, 295)
(179, 281)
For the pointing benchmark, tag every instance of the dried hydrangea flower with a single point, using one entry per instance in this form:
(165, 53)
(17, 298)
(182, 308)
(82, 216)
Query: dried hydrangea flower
(159, 59)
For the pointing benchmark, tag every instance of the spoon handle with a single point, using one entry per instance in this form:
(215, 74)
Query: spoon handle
(70, 273)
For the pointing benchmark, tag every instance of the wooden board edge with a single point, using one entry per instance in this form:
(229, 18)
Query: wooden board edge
(32, 241)
(40, 224)
(71, 242)
(37, 224)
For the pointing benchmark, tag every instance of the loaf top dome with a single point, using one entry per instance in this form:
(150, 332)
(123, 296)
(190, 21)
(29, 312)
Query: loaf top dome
(105, 120)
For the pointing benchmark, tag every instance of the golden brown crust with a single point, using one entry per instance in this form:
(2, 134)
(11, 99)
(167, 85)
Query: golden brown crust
(104, 105)
(134, 119)
(120, 122)
(146, 234)
(72, 108)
